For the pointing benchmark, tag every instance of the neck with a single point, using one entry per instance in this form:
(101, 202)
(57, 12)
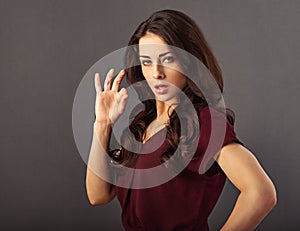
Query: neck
(164, 109)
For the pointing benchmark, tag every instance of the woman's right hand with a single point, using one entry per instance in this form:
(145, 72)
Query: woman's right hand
(110, 103)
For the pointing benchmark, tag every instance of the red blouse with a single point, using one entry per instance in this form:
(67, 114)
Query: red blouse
(185, 201)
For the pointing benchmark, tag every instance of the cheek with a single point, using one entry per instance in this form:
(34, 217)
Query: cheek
(145, 72)
(184, 83)
(180, 81)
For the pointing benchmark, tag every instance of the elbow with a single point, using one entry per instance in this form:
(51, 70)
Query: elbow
(271, 197)
(100, 196)
(266, 197)
(262, 197)
(94, 202)
(98, 200)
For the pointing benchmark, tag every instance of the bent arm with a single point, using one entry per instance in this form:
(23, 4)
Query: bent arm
(257, 193)
(98, 190)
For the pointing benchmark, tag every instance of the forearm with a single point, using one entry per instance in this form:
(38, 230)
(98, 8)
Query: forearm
(250, 209)
(99, 191)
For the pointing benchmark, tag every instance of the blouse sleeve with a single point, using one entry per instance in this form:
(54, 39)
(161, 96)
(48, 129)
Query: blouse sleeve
(215, 133)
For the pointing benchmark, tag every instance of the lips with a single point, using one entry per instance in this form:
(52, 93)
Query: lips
(161, 88)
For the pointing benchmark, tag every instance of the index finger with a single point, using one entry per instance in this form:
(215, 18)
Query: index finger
(118, 79)
(97, 83)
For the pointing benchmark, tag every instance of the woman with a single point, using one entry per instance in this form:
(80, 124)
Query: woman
(185, 201)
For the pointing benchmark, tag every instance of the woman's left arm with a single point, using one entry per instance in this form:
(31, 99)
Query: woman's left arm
(257, 192)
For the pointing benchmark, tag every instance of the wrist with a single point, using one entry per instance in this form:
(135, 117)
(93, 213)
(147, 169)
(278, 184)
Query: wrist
(103, 122)
(102, 125)
(102, 131)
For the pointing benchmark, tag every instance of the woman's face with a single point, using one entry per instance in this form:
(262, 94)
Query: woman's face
(160, 67)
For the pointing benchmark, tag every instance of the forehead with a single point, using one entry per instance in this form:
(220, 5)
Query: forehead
(152, 45)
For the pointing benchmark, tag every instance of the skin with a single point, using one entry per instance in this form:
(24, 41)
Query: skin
(257, 193)
(160, 66)
(110, 104)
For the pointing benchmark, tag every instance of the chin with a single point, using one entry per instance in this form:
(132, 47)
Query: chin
(166, 98)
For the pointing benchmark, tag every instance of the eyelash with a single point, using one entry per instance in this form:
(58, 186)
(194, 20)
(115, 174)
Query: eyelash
(148, 62)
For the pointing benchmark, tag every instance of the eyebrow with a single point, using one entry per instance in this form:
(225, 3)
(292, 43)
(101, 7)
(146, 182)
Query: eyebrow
(160, 55)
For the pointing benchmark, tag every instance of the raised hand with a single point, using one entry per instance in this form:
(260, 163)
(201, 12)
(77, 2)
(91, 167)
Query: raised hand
(110, 103)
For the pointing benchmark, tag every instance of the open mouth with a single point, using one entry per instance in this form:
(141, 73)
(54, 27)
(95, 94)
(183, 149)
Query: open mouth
(161, 88)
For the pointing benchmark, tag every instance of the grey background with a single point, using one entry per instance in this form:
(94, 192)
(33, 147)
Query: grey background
(46, 47)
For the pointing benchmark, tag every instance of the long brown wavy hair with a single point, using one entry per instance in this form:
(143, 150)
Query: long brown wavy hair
(178, 30)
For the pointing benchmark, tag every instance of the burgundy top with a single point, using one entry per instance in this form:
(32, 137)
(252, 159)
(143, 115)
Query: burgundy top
(185, 201)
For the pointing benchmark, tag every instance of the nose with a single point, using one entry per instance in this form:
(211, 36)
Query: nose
(157, 72)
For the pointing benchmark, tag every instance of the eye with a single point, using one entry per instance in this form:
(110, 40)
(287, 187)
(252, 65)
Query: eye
(168, 59)
(146, 62)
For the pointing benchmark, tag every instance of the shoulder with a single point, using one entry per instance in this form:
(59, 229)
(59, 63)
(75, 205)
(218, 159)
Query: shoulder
(216, 132)
(209, 116)
(209, 111)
